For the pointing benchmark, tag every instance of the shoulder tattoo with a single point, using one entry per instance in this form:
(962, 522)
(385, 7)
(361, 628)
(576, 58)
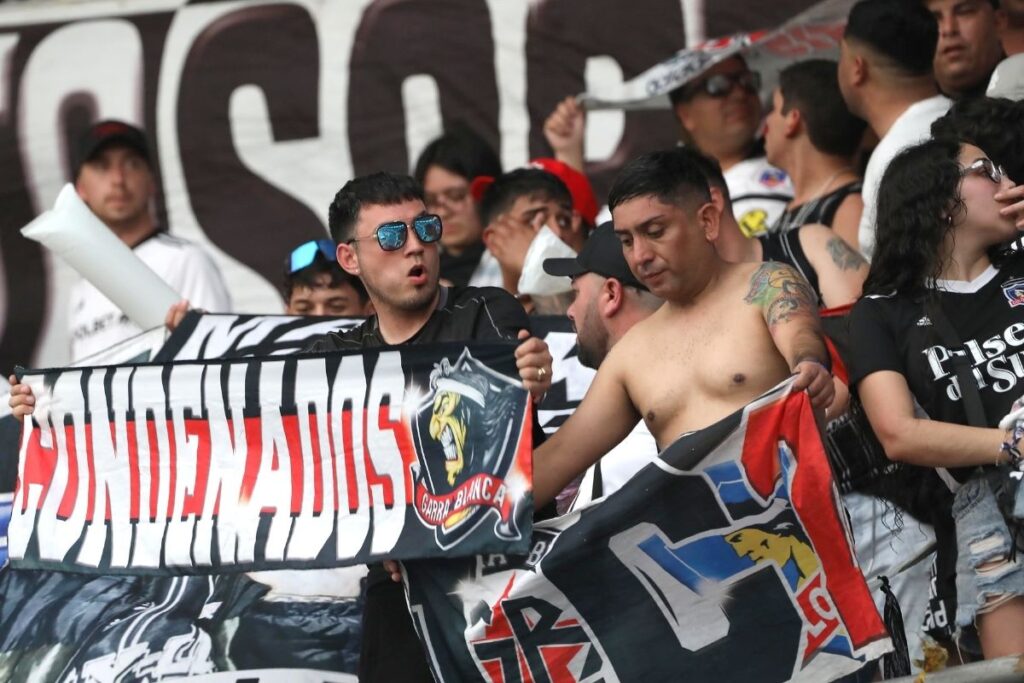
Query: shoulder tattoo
(780, 293)
(843, 255)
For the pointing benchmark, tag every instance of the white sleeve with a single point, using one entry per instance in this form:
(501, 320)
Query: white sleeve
(869, 195)
(199, 281)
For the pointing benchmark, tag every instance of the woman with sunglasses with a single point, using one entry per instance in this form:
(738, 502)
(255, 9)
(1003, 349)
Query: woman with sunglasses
(943, 290)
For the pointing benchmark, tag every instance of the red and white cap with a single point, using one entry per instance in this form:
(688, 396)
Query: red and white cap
(583, 199)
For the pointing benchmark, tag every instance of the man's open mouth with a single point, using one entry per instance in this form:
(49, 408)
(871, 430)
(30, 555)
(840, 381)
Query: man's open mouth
(448, 443)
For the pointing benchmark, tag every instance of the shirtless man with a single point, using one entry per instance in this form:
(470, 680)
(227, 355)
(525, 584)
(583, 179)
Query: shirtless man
(726, 334)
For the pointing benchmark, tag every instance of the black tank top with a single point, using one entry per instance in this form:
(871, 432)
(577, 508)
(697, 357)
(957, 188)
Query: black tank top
(785, 247)
(819, 210)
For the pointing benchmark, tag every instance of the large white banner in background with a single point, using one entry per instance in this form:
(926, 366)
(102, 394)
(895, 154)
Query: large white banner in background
(259, 111)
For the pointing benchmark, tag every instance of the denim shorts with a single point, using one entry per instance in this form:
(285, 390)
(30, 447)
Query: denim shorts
(982, 536)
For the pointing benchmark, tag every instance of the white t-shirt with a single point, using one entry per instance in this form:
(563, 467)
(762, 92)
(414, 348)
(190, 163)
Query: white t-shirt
(1008, 79)
(96, 324)
(635, 452)
(913, 126)
(759, 193)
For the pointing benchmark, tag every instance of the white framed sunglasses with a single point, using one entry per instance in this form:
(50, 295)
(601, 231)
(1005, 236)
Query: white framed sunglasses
(985, 167)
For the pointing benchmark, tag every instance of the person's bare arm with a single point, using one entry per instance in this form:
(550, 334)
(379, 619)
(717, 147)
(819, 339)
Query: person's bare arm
(790, 310)
(930, 443)
(846, 222)
(841, 269)
(564, 130)
(603, 419)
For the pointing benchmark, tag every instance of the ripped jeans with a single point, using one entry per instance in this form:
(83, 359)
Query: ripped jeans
(986, 576)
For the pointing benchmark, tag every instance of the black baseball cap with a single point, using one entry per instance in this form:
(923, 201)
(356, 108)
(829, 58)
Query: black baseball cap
(601, 254)
(108, 132)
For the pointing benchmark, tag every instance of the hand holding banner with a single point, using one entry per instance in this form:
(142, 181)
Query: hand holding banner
(322, 460)
(726, 559)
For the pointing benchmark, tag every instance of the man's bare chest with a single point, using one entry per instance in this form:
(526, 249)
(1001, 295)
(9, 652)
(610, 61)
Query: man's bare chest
(701, 369)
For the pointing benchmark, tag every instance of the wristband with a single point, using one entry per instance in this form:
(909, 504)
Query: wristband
(1009, 445)
(1012, 452)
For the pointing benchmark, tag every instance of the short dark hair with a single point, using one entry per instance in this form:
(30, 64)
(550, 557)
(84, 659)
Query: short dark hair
(308, 276)
(994, 124)
(530, 182)
(812, 88)
(460, 151)
(671, 175)
(709, 168)
(903, 31)
(381, 188)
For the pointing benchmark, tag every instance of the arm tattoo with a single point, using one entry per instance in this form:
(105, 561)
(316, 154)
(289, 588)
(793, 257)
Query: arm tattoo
(781, 293)
(843, 255)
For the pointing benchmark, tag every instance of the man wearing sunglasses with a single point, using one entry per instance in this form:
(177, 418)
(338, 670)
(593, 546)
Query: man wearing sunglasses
(720, 114)
(315, 284)
(386, 238)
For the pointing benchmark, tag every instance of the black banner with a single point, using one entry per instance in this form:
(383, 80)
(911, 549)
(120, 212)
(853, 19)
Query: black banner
(728, 558)
(320, 460)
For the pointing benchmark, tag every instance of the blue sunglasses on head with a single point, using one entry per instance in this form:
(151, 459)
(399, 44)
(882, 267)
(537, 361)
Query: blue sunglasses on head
(303, 255)
(391, 236)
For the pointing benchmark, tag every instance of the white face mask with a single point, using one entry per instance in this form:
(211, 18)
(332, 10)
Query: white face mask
(534, 280)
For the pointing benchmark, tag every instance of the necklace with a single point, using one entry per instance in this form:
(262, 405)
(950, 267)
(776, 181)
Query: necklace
(811, 204)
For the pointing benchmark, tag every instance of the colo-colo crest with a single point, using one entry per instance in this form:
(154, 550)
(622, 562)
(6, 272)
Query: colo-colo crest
(466, 447)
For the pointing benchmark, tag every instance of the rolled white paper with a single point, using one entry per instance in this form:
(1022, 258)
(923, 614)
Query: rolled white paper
(74, 233)
(534, 280)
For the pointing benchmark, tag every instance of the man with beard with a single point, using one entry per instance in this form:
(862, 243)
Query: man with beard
(387, 239)
(608, 301)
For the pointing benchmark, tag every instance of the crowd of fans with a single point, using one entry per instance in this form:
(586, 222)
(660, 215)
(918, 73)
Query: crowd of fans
(885, 181)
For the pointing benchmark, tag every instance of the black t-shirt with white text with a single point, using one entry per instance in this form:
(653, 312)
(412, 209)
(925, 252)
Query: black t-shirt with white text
(895, 333)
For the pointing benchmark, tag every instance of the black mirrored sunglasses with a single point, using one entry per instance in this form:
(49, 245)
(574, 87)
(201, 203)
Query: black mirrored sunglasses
(721, 85)
(391, 236)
